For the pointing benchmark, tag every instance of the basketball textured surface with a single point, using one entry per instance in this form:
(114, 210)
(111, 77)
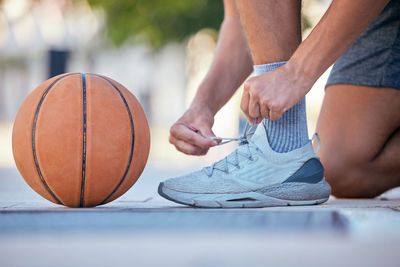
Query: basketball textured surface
(81, 140)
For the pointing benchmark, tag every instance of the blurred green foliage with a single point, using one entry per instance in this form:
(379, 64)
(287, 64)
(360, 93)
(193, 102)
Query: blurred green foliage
(158, 22)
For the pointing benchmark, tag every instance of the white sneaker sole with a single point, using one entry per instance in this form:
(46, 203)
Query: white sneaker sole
(252, 199)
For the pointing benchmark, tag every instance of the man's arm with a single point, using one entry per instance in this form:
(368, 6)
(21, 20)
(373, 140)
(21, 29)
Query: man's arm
(341, 25)
(282, 88)
(232, 64)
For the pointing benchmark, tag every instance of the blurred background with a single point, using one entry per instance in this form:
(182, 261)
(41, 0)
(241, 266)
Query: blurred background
(159, 49)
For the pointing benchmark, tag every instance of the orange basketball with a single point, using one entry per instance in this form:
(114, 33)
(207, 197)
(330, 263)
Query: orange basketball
(80, 140)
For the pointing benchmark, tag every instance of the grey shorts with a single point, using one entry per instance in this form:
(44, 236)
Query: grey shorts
(374, 58)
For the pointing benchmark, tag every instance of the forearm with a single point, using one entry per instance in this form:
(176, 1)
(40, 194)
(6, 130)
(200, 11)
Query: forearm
(232, 64)
(343, 22)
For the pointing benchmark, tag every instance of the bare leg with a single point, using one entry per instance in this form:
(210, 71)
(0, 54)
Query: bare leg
(272, 28)
(273, 31)
(360, 132)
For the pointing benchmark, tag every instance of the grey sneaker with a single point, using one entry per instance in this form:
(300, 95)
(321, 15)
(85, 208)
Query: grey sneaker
(253, 176)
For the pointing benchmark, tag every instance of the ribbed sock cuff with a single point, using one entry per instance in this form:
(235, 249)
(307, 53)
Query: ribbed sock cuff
(260, 69)
(290, 132)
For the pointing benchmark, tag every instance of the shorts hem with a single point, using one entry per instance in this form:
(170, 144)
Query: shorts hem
(395, 85)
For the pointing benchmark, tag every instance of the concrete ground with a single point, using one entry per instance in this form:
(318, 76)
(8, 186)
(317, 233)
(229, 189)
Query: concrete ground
(142, 229)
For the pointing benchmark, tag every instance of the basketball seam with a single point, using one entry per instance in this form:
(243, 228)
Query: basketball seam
(84, 136)
(34, 136)
(133, 136)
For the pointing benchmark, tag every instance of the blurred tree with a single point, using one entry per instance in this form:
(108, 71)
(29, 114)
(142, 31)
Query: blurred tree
(158, 22)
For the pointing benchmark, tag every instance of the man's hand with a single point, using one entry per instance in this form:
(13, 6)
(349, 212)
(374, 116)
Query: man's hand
(271, 94)
(192, 133)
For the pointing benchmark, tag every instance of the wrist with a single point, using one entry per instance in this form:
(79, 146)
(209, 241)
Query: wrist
(304, 73)
(202, 107)
(205, 100)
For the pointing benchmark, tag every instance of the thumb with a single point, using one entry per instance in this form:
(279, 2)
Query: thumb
(207, 132)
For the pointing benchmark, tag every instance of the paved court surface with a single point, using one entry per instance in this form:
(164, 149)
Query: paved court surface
(142, 229)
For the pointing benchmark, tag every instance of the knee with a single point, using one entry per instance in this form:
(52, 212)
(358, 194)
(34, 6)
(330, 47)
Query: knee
(349, 180)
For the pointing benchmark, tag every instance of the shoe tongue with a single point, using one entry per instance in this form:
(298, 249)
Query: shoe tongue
(260, 139)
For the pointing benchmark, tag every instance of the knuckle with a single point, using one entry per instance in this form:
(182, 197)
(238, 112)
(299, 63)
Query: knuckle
(253, 91)
(247, 85)
(173, 129)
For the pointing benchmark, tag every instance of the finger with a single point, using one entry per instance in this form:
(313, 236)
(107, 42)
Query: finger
(203, 131)
(209, 133)
(182, 132)
(249, 119)
(264, 111)
(275, 115)
(244, 105)
(187, 148)
(254, 108)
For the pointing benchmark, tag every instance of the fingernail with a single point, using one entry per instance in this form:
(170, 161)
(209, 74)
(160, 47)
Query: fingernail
(214, 143)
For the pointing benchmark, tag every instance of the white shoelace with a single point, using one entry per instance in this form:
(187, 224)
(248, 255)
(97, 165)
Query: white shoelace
(223, 165)
(244, 140)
